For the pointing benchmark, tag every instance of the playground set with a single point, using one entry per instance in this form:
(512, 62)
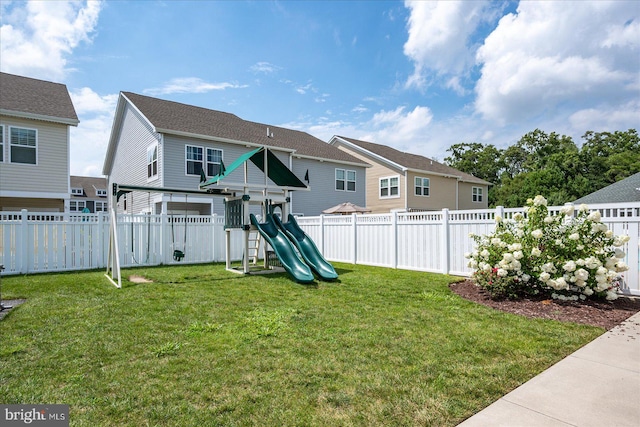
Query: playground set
(294, 249)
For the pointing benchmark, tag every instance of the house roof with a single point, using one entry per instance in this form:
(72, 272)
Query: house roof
(626, 190)
(414, 162)
(182, 119)
(90, 184)
(36, 99)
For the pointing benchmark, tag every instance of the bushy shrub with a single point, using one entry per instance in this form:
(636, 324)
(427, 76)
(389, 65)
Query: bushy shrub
(569, 256)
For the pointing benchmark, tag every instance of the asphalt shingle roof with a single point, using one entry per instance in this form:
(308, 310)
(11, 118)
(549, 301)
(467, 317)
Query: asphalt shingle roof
(626, 190)
(413, 161)
(89, 184)
(24, 95)
(174, 117)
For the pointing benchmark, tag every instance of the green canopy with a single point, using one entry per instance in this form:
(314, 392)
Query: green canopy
(277, 171)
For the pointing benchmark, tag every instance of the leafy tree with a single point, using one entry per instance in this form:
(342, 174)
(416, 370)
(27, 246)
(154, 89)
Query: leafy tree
(550, 164)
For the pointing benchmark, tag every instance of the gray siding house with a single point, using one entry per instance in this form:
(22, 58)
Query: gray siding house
(166, 144)
(35, 120)
(399, 181)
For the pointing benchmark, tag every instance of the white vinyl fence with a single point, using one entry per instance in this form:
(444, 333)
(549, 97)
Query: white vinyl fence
(425, 241)
(437, 241)
(47, 242)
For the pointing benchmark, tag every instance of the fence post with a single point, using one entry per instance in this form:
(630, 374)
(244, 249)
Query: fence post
(24, 233)
(500, 211)
(445, 241)
(354, 227)
(394, 239)
(322, 250)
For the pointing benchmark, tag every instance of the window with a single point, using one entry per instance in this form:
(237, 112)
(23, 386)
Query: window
(422, 186)
(152, 162)
(214, 160)
(76, 205)
(101, 193)
(194, 158)
(101, 206)
(389, 187)
(23, 145)
(345, 180)
(77, 191)
(1, 143)
(476, 194)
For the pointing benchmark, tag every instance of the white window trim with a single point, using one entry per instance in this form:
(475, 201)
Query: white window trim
(345, 180)
(202, 162)
(36, 147)
(100, 203)
(101, 192)
(206, 157)
(80, 204)
(389, 178)
(77, 191)
(2, 144)
(421, 186)
(479, 192)
(150, 148)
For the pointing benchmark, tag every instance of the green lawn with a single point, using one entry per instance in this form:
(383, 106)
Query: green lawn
(204, 347)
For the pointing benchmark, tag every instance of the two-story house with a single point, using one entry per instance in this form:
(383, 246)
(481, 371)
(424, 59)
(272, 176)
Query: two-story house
(35, 120)
(170, 145)
(88, 194)
(410, 182)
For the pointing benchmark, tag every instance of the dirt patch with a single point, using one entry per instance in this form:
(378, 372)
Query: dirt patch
(605, 314)
(139, 279)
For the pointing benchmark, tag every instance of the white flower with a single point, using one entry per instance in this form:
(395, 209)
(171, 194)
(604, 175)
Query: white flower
(594, 216)
(621, 266)
(567, 210)
(515, 247)
(548, 219)
(569, 266)
(537, 233)
(608, 234)
(518, 216)
(472, 264)
(496, 241)
(539, 201)
(619, 253)
(467, 254)
(502, 272)
(581, 274)
(536, 252)
(587, 291)
(592, 262)
(561, 283)
(498, 219)
(611, 295)
(526, 278)
(486, 267)
(548, 267)
(485, 253)
(544, 277)
(507, 256)
(518, 255)
(574, 236)
(583, 208)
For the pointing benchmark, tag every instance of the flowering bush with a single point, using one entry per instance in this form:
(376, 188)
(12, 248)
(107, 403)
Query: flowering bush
(570, 256)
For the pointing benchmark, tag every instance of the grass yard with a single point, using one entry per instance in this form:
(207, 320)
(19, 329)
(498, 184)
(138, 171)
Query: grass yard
(204, 347)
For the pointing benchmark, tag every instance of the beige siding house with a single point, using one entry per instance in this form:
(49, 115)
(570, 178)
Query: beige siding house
(89, 193)
(410, 182)
(35, 117)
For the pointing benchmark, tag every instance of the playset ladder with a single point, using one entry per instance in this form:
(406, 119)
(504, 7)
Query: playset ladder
(254, 246)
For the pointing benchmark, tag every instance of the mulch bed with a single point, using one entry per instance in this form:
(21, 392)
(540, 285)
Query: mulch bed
(605, 314)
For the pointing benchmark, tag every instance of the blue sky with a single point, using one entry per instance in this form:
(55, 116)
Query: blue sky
(418, 76)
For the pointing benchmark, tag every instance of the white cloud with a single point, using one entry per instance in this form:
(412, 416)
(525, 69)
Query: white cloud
(551, 59)
(440, 36)
(89, 140)
(37, 37)
(191, 85)
(265, 67)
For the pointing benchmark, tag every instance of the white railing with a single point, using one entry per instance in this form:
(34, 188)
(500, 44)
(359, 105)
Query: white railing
(425, 241)
(437, 241)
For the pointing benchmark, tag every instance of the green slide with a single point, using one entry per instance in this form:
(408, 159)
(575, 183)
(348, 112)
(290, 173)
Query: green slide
(284, 250)
(307, 248)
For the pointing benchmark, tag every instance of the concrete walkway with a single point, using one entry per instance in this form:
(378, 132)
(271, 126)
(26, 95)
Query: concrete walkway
(598, 385)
